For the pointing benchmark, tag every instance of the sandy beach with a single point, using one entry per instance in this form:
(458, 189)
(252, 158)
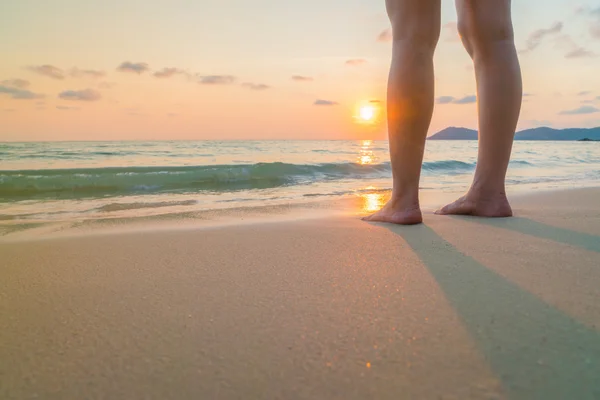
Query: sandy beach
(322, 308)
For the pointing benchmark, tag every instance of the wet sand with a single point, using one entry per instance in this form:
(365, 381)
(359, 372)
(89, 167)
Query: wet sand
(327, 308)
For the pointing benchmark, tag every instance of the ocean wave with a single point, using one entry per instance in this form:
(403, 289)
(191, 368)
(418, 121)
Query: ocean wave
(112, 207)
(107, 182)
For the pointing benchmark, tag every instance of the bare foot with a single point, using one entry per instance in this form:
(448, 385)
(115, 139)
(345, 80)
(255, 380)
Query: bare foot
(395, 214)
(476, 205)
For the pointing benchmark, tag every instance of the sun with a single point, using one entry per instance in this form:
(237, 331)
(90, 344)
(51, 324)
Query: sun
(367, 113)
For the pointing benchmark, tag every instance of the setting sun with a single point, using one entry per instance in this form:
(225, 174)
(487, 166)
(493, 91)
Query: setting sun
(367, 113)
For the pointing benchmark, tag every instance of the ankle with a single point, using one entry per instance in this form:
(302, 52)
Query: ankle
(487, 189)
(405, 200)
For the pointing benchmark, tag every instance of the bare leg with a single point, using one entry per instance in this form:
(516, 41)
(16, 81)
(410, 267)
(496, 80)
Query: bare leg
(487, 33)
(416, 30)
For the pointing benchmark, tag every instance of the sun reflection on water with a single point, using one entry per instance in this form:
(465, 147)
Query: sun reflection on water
(373, 201)
(366, 155)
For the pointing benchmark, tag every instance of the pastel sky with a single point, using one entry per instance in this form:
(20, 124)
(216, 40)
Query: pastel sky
(261, 69)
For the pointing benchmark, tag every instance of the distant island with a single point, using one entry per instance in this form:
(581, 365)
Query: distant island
(543, 133)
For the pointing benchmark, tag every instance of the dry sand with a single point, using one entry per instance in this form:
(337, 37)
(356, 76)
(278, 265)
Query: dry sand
(330, 308)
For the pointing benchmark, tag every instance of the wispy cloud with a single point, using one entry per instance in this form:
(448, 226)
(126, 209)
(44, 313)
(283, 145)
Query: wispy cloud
(580, 52)
(80, 95)
(255, 86)
(169, 72)
(216, 79)
(300, 78)
(137, 68)
(321, 102)
(581, 110)
(48, 70)
(19, 94)
(66, 108)
(445, 100)
(453, 100)
(54, 72)
(385, 36)
(86, 73)
(584, 93)
(466, 100)
(356, 62)
(595, 30)
(594, 13)
(573, 50)
(535, 38)
(106, 85)
(16, 83)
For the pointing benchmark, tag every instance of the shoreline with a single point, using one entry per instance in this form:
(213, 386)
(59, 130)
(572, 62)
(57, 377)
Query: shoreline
(349, 207)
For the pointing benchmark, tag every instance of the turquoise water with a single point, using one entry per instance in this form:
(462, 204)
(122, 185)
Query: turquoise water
(83, 180)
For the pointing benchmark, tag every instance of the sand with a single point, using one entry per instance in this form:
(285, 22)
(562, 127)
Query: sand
(327, 308)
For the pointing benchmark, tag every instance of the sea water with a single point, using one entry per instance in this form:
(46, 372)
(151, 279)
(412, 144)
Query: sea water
(54, 181)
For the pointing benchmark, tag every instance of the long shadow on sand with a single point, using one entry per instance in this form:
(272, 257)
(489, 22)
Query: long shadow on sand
(543, 231)
(537, 351)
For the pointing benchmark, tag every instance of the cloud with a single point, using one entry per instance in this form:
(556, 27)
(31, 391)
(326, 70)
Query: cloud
(527, 94)
(66, 108)
(579, 52)
(581, 110)
(535, 39)
(320, 102)
(385, 36)
(595, 30)
(466, 100)
(445, 100)
(9, 110)
(453, 100)
(169, 72)
(80, 95)
(356, 61)
(255, 86)
(584, 93)
(86, 73)
(216, 79)
(451, 32)
(137, 68)
(19, 94)
(47, 70)
(106, 85)
(573, 50)
(172, 114)
(594, 13)
(16, 83)
(300, 78)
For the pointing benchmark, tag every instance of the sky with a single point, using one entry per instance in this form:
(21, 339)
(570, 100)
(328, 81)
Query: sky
(262, 69)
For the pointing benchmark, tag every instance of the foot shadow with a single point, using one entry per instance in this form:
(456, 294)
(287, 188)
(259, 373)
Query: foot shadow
(537, 351)
(543, 231)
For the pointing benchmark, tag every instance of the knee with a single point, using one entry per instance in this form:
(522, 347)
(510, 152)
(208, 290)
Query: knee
(416, 35)
(480, 29)
(415, 22)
